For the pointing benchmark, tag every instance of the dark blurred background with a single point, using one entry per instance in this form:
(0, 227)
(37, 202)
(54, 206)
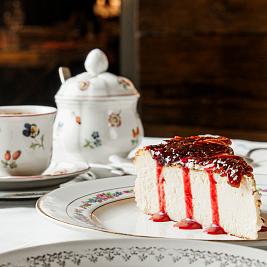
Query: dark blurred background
(37, 37)
(200, 65)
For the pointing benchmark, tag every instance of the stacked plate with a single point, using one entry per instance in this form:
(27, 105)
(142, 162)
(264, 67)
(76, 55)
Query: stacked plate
(136, 252)
(36, 186)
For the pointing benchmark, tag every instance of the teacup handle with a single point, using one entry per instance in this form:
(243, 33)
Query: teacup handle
(64, 74)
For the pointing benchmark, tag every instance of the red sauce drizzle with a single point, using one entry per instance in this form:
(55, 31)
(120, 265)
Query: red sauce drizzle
(188, 223)
(263, 229)
(215, 229)
(161, 216)
(187, 193)
(161, 193)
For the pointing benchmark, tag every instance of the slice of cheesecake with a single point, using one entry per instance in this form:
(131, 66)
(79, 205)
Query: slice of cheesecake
(199, 183)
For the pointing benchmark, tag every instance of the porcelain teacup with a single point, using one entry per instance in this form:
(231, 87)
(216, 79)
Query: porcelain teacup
(26, 134)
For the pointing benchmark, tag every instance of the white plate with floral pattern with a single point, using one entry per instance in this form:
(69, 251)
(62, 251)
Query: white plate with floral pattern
(135, 252)
(55, 174)
(108, 205)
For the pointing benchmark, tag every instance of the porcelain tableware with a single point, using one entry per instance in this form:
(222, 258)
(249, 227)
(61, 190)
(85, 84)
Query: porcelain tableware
(26, 139)
(135, 252)
(24, 194)
(97, 113)
(55, 174)
(108, 205)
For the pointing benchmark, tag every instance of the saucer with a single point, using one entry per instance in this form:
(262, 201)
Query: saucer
(57, 173)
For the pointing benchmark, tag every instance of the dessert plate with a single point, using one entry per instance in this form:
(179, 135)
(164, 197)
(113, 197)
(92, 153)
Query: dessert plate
(108, 205)
(135, 252)
(55, 174)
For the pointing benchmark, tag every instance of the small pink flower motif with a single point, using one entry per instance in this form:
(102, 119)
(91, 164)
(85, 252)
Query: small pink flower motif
(9, 160)
(124, 82)
(78, 120)
(135, 135)
(7, 155)
(16, 155)
(135, 132)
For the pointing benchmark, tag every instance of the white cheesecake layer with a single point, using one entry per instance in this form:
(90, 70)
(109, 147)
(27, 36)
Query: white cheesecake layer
(239, 208)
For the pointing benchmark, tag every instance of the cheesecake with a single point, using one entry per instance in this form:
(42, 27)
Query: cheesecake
(199, 183)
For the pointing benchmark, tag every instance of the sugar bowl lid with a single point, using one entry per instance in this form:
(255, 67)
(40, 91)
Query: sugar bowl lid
(95, 83)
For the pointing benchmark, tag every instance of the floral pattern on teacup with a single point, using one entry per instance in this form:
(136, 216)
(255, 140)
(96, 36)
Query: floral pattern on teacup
(94, 141)
(114, 119)
(33, 131)
(124, 82)
(135, 135)
(9, 160)
(30, 130)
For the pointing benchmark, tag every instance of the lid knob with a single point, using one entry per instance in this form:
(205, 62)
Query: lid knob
(96, 62)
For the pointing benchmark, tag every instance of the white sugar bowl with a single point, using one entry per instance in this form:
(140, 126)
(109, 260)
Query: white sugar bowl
(97, 114)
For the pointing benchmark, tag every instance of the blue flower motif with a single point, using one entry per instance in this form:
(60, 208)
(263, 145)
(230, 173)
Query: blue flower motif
(97, 142)
(95, 135)
(27, 131)
(30, 130)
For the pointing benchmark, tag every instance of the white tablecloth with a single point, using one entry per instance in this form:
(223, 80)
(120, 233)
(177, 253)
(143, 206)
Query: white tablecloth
(21, 226)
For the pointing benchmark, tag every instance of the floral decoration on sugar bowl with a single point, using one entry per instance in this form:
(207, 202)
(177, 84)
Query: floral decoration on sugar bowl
(94, 141)
(114, 119)
(84, 85)
(33, 131)
(135, 135)
(77, 118)
(125, 83)
(59, 127)
(9, 159)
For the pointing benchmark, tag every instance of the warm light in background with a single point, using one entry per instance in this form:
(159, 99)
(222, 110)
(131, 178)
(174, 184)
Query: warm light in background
(107, 8)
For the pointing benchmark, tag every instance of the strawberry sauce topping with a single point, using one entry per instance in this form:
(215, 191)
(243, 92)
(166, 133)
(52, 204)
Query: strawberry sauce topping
(188, 193)
(161, 216)
(188, 224)
(263, 229)
(215, 228)
(212, 153)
